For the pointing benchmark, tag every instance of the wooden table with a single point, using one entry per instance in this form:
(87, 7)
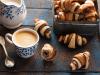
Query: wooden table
(41, 9)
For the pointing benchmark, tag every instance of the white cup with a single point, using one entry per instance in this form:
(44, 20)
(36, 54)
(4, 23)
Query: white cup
(24, 52)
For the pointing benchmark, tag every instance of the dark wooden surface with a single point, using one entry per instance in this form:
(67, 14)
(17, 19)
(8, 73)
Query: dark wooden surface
(43, 9)
(35, 65)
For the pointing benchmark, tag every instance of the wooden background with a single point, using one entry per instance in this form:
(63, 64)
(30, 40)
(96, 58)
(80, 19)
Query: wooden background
(38, 9)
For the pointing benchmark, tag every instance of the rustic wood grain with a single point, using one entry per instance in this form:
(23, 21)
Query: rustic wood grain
(45, 14)
(38, 3)
(44, 73)
(61, 63)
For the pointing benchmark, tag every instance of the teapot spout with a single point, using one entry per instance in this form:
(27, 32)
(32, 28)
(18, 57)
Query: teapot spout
(16, 3)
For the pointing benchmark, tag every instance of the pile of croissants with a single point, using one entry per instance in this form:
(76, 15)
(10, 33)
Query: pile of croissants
(75, 10)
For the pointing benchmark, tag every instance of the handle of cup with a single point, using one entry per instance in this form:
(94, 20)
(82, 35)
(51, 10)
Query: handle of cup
(8, 37)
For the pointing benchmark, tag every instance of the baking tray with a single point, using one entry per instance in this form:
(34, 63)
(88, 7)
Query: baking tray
(80, 27)
(62, 59)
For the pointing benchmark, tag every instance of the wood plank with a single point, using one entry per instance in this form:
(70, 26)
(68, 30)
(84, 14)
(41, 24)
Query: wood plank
(38, 3)
(43, 73)
(45, 14)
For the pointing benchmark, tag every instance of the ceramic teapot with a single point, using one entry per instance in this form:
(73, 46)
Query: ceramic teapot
(12, 13)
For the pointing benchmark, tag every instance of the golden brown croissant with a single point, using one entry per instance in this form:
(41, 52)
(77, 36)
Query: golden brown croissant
(91, 15)
(65, 4)
(60, 16)
(80, 60)
(64, 16)
(85, 6)
(72, 40)
(56, 4)
(92, 18)
(48, 53)
(69, 5)
(69, 16)
(79, 1)
(42, 27)
(74, 7)
(58, 10)
(89, 10)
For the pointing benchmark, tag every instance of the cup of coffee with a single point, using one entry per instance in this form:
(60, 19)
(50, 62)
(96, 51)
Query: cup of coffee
(26, 41)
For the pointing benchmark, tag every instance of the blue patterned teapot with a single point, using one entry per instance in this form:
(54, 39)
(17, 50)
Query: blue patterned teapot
(12, 13)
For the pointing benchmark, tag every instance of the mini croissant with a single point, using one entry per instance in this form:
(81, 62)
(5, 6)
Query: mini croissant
(86, 5)
(89, 10)
(61, 16)
(64, 16)
(48, 52)
(42, 27)
(80, 60)
(72, 40)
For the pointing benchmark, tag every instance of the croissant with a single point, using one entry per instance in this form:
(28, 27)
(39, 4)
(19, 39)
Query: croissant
(92, 15)
(88, 4)
(58, 10)
(80, 61)
(42, 27)
(48, 53)
(57, 5)
(69, 16)
(73, 40)
(64, 16)
(74, 7)
(60, 16)
(93, 19)
(79, 1)
(67, 5)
